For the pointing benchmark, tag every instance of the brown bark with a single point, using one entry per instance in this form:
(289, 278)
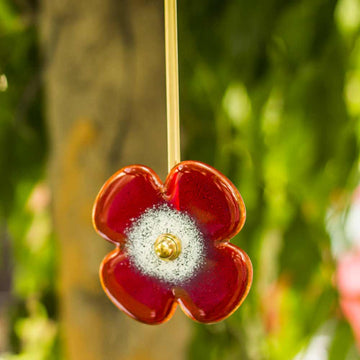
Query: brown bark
(105, 91)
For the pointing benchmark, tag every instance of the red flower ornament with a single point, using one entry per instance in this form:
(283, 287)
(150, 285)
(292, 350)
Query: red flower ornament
(172, 243)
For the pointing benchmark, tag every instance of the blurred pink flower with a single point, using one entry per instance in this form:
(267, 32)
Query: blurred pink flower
(39, 199)
(348, 283)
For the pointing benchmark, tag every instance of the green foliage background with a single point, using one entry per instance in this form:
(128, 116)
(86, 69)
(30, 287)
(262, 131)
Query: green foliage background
(27, 248)
(266, 98)
(270, 95)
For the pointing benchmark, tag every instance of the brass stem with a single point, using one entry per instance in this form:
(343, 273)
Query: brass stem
(172, 83)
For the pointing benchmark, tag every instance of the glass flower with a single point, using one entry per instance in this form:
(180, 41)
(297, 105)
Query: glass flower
(172, 243)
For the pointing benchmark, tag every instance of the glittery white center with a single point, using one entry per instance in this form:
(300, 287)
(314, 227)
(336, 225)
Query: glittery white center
(148, 227)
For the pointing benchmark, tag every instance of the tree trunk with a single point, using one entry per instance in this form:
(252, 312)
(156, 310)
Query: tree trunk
(105, 86)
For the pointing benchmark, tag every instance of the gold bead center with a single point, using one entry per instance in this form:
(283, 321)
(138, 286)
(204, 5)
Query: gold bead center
(167, 247)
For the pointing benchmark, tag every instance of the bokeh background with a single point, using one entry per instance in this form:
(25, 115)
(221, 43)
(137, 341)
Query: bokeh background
(270, 96)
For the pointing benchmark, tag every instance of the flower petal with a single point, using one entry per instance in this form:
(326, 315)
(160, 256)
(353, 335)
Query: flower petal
(347, 274)
(125, 196)
(208, 196)
(141, 297)
(220, 287)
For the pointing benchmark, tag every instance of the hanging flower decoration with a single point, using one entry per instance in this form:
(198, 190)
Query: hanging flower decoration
(172, 243)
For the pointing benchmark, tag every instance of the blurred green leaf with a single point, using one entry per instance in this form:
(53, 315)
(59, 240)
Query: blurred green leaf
(342, 342)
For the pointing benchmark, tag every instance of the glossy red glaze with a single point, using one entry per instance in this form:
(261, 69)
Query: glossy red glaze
(220, 287)
(141, 297)
(125, 196)
(214, 203)
(200, 190)
(209, 197)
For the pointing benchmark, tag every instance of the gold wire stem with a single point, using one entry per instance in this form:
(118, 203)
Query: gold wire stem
(172, 84)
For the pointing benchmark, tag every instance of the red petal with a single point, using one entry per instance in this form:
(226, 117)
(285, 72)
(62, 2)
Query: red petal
(220, 287)
(125, 196)
(208, 196)
(139, 296)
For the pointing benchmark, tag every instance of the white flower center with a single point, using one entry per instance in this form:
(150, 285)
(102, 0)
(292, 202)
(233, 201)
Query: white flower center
(144, 232)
